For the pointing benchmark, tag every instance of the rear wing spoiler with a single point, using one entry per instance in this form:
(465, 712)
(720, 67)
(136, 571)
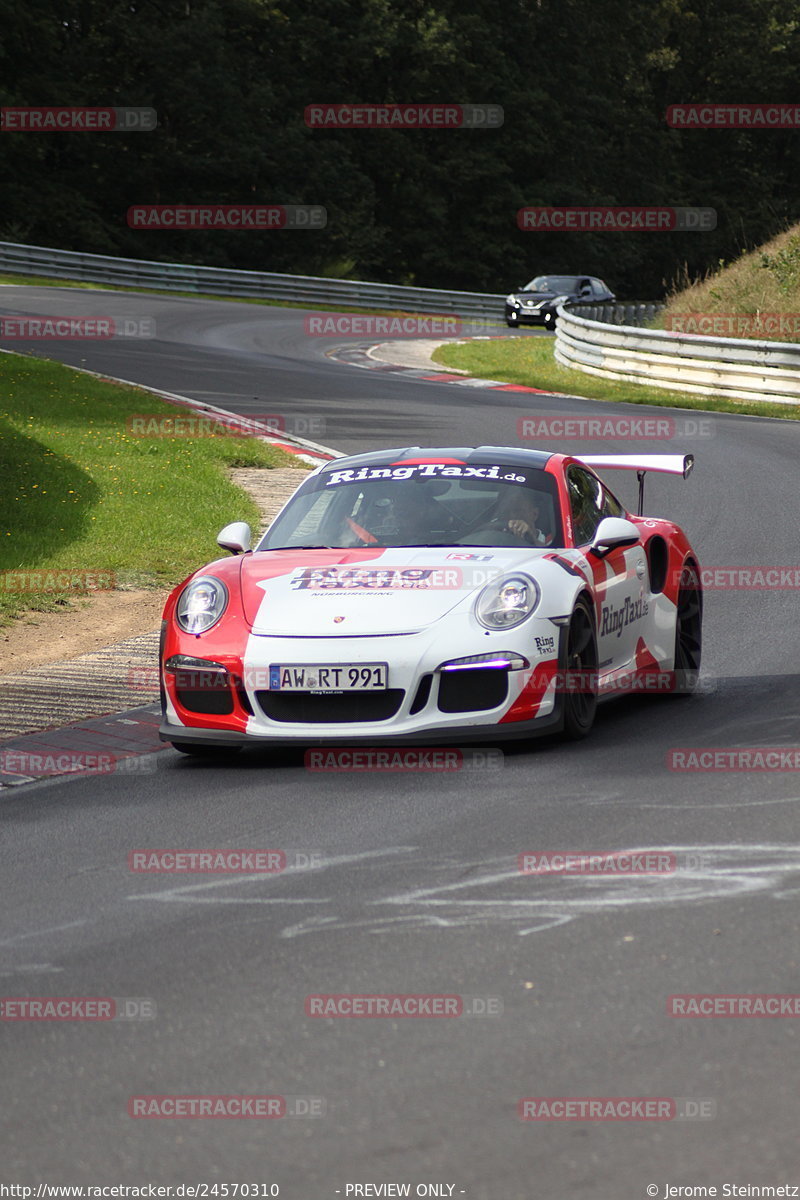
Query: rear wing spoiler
(669, 464)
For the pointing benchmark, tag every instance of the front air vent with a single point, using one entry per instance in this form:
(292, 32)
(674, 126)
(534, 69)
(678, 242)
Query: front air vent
(422, 696)
(212, 697)
(472, 690)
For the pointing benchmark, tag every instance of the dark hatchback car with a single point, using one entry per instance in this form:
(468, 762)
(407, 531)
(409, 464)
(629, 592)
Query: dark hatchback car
(537, 301)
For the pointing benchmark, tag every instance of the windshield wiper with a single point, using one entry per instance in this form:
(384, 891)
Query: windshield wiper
(309, 547)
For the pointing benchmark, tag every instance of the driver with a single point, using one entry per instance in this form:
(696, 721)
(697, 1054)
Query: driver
(519, 515)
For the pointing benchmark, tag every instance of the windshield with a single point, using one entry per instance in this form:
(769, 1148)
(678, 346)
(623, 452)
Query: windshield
(557, 284)
(448, 505)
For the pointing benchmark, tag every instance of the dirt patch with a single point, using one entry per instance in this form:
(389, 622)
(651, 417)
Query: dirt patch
(106, 618)
(98, 621)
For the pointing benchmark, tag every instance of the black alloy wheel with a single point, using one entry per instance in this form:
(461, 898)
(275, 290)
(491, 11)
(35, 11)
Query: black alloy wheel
(580, 682)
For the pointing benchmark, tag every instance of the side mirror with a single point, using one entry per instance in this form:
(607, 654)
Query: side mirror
(611, 533)
(235, 537)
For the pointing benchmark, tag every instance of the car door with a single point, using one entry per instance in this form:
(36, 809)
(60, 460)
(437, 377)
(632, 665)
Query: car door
(583, 292)
(621, 583)
(601, 293)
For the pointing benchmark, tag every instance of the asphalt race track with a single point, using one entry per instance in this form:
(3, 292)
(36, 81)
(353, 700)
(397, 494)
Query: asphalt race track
(416, 887)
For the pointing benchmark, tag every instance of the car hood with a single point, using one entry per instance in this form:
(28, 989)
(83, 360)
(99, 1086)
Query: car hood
(537, 296)
(316, 593)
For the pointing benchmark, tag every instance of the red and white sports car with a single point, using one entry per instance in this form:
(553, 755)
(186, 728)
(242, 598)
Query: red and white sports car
(432, 595)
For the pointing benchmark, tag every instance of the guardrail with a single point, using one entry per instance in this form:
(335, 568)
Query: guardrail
(606, 340)
(712, 366)
(632, 313)
(183, 277)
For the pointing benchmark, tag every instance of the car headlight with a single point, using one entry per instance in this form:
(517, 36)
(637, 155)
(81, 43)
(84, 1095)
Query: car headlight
(507, 602)
(512, 299)
(201, 604)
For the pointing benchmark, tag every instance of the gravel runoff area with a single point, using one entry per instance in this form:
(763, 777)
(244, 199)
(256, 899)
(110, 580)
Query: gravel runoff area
(120, 676)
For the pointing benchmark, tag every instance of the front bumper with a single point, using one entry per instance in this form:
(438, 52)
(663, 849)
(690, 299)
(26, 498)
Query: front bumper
(529, 316)
(463, 734)
(522, 708)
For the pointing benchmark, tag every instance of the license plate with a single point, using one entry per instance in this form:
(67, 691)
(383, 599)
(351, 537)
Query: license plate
(328, 677)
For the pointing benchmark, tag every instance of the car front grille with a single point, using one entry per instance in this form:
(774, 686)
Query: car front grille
(311, 708)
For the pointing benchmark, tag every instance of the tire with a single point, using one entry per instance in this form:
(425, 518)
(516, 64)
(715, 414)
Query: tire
(688, 631)
(580, 704)
(512, 324)
(199, 750)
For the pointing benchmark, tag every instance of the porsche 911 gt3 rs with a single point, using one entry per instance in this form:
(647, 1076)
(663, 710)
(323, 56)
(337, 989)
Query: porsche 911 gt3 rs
(433, 595)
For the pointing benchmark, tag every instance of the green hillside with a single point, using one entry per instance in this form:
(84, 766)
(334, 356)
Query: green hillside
(757, 295)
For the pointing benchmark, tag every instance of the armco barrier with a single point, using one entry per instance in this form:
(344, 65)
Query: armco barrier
(182, 277)
(617, 313)
(603, 340)
(712, 366)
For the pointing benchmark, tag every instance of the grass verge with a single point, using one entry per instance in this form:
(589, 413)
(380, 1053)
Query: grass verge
(530, 361)
(84, 503)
